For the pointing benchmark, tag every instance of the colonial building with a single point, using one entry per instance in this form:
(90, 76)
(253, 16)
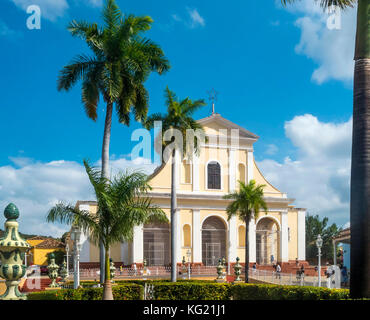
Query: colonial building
(202, 225)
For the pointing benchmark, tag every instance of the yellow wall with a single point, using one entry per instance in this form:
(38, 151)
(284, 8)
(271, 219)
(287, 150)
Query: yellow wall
(39, 256)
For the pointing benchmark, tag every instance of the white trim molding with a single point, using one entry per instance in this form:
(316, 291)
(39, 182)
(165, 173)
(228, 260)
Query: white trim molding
(232, 167)
(84, 240)
(232, 239)
(252, 241)
(196, 173)
(250, 166)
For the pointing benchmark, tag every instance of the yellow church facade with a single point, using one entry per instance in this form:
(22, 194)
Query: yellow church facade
(202, 227)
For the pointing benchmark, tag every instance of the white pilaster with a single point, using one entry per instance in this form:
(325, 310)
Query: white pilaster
(232, 170)
(177, 169)
(252, 241)
(195, 172)
(284, 246)
(84, 240)
(233, 239)
(138, 245)
(178, 235)
(250, 165)
(301, 234)
(197, 237)
(125, 253)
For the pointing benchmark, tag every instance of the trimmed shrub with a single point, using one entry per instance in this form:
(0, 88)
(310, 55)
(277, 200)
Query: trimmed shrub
(191, 291)
(246, 291)
(122, 292)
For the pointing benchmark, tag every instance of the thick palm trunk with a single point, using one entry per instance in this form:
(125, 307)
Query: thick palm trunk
(360, 172)
(107, 291)
(173, 219)
(105, 174)
(246, 252)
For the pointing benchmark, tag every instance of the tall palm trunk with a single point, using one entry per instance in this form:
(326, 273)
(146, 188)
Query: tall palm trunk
(173, 219)
(360, 171)
(107, 291)
(246, 252)
(105, 174)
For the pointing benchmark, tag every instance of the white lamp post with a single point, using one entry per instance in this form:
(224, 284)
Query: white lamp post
(319, 245)
(188, 253)
(67, 257)
(76, 235)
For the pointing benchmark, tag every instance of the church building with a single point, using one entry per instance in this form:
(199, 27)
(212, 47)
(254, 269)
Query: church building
(202, 227)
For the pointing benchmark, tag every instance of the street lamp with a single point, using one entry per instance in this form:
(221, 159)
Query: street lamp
(67, 256)
(76, 235)
(188, 254)
(319, 245)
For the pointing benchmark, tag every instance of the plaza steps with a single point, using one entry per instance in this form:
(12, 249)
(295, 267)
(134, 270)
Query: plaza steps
(29, 286)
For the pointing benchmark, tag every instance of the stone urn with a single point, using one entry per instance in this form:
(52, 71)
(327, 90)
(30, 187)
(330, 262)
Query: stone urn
(221, 275)
(184, 269)
(145, 269)
(112, 270)
(12, 250)
(237, 270)
(53, 271)
(63, 272)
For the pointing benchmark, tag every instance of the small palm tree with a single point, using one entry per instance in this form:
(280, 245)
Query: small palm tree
(247, 203)
(122, 60)
(360, 164)
(179, 116)
(122, 204)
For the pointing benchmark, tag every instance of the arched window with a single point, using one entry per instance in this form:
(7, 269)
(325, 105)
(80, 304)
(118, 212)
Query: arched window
(214, 175)
(187, 236)
(241, 172)
(241, 234)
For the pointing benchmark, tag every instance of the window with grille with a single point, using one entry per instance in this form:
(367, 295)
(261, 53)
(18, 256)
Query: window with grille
(157, 242)
(214, 175)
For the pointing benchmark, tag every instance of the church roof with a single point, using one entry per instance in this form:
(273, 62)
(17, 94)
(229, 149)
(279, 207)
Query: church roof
(50, 244)
(216, 117)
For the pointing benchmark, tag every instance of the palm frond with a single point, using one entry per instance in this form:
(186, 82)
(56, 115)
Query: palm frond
(327, 3)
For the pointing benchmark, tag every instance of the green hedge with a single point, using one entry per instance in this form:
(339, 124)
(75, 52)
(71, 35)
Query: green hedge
(246, 291)
(191, 291)
(122, 292)
(196, 290)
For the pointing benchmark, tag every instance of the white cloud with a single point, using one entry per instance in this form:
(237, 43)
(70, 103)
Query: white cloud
(319, 178)
(271, 149)
(332, 50)
(94, 3)
(35, 187)
(193, 20)
(50, 9)
(196, 18)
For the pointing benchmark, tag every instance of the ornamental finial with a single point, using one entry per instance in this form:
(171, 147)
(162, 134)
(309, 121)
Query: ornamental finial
(11, 212)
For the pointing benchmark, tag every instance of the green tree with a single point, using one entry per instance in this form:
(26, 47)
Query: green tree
(178, 117)
(59, 256)
(315, 227)
(360, 171)
(122, 60)
(123, 203)
(247, 203)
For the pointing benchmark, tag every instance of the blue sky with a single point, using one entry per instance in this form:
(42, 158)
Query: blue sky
(280, 73)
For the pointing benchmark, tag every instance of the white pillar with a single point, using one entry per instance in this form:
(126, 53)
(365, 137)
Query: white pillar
(178, 169)
(195, 172)
(233, 239)
(197, 237)
(124, 253)
(250, 165)
(284, 246)
(252, 241)
(301, 234)
(138, 245)
(232, 170)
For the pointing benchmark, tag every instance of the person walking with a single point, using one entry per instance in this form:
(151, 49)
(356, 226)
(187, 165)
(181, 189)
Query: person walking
(278, 271)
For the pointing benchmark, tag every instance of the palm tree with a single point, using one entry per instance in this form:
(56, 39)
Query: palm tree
(122, 202)
(247, 203)
(179, 116)
(360, 170)
(122, 60)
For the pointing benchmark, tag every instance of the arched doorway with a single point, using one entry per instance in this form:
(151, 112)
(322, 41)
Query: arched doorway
(213, 241)
(267, 241)
(157, 242)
